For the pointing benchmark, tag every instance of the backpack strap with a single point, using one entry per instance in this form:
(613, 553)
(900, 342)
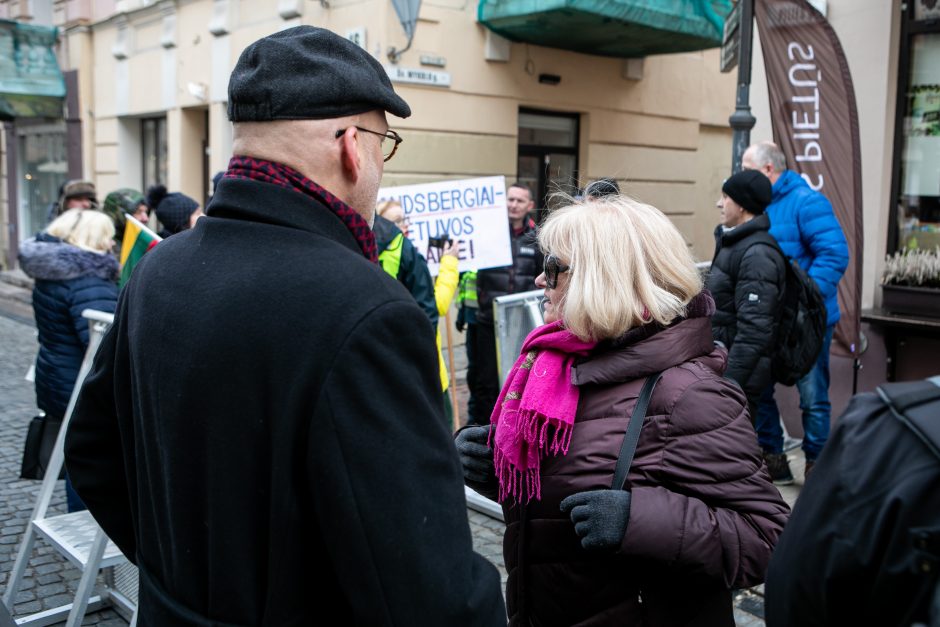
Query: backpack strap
(632, 436)
(908, 402)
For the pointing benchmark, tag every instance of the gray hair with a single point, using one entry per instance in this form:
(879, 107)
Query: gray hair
(768, 152)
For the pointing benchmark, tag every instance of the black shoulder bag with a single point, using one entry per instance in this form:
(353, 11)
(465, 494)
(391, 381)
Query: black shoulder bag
(632, 435)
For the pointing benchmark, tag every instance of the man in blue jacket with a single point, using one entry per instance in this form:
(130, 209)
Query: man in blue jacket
(804, 225)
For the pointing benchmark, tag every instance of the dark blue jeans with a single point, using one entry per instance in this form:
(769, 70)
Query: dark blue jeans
(814, 401)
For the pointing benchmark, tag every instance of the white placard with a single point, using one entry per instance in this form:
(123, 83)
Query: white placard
(471, 212)
(417, 76)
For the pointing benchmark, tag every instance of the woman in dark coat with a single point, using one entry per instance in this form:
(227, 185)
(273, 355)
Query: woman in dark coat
(697, 515)
(73, 271)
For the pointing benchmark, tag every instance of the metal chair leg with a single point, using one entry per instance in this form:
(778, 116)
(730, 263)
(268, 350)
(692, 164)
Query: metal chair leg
(87, 582)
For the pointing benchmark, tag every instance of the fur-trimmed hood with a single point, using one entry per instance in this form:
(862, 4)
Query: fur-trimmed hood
(47, 258)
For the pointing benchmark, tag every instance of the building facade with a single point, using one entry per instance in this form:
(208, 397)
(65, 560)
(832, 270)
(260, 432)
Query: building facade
(151, 80)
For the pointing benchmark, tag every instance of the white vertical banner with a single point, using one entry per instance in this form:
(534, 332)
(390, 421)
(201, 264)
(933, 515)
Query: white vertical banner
(472, 212)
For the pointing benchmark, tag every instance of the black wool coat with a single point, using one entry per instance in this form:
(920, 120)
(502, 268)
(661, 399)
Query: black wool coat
(261, 432)
(747, 280)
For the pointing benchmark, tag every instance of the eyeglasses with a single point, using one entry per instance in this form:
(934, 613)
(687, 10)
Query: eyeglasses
(388, 149)
(552, 268)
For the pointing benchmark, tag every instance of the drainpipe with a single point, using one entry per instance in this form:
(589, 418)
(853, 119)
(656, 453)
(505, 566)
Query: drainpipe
(13, 217)
(73, 126)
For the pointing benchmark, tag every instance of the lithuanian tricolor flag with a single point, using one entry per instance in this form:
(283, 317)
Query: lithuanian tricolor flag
(138, 239)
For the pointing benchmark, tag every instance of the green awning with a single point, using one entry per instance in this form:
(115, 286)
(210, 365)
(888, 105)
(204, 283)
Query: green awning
(31, 84)
(610, 28)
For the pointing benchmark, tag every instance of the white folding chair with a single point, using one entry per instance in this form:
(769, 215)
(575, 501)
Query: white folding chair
(76, 536)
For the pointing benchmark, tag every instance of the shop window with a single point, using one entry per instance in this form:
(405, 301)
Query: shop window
(43, 167)
(917, 145)
(153, 142)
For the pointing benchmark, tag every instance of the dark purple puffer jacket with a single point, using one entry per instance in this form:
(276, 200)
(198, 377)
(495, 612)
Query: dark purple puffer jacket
(704, 516)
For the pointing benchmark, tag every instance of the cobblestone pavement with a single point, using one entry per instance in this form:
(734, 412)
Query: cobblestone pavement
(51, 581)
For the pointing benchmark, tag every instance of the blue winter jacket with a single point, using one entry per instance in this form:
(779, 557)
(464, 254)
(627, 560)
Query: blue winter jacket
(68, 280)
(804, 225)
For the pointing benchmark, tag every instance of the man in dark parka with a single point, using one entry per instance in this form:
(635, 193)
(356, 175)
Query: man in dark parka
(747, 280)
(495, 282)
(266, 408)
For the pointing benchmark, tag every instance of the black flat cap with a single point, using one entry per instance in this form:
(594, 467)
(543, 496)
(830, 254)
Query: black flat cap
(307, 73)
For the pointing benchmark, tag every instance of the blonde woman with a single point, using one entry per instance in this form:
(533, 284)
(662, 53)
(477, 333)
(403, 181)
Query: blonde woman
(697, 515)
(73, 271)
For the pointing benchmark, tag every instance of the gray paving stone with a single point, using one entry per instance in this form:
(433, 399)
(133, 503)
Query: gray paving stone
(51, 589)
(44, 580)
(22, 609)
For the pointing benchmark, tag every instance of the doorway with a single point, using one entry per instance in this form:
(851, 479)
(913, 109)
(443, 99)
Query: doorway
(548, 154)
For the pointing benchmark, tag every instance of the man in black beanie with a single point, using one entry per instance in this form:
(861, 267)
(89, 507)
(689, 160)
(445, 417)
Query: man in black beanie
(262, 432)
(747, 280)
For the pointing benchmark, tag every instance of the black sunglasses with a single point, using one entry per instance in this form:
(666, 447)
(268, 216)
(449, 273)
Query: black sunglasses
(552, 268)
(388, 151)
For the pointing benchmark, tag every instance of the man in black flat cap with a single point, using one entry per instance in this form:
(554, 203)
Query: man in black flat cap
(747, 280)
(262, 430)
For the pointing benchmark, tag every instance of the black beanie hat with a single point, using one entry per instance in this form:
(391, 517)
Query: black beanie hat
(750, 189)
(602, 188)
(173, 210)
(308, 73)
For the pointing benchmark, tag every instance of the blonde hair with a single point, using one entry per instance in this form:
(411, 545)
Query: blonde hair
(629, 266)
(88, 229)
(383, 207)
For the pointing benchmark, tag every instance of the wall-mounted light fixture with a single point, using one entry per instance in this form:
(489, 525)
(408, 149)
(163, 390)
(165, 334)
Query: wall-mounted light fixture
(549, 79)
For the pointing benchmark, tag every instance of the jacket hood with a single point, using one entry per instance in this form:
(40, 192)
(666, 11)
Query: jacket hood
(385, 231)
(47, 258)
(650, 349)
(788, 181)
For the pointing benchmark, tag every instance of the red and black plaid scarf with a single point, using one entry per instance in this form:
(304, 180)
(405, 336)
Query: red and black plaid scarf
(241, 167)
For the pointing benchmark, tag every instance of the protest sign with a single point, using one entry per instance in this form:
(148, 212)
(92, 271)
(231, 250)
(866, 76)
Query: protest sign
(472, 212)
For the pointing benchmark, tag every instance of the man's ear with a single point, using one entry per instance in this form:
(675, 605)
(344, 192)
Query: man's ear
(349, 154)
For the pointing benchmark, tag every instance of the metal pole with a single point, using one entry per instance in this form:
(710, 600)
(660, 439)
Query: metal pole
(741, 120)
(453, 371)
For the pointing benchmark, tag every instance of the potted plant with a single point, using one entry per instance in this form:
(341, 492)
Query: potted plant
(911, 282)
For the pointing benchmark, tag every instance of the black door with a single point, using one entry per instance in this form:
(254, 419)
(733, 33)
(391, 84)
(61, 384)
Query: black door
(548, 154)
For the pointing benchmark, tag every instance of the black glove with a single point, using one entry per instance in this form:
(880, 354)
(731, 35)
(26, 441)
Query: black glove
(476, 457)
(460, 326)
(600, 517)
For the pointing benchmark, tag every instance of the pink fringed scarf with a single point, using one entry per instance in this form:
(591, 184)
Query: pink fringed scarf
(536, 410)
